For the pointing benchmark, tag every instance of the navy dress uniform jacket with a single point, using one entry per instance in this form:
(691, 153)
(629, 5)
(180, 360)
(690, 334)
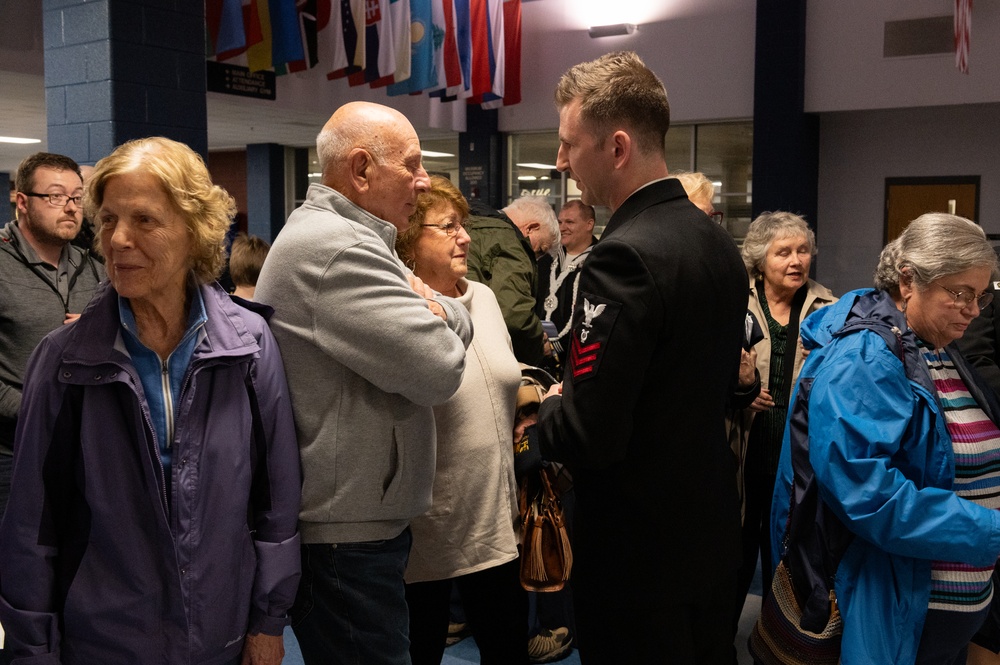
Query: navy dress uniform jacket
(655, 355)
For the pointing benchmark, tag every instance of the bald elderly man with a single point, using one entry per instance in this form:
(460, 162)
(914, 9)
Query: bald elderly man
(368, 350)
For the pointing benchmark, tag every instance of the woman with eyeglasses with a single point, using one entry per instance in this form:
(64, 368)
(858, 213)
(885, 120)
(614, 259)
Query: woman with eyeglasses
(469, 535)
(903, 440)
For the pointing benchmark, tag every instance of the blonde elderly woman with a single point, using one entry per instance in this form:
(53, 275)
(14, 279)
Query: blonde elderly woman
(156, 485)
(699, 189)
(903, 442)
(777, 252)
(469, 534)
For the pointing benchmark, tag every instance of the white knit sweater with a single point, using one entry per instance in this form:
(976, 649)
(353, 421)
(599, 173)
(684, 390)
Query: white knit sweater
(471, 524)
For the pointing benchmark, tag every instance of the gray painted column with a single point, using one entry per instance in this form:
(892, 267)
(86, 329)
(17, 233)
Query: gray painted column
(116, 70)
(265, 189)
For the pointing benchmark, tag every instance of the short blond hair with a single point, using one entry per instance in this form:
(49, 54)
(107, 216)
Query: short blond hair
(697, 186)
(208, 210)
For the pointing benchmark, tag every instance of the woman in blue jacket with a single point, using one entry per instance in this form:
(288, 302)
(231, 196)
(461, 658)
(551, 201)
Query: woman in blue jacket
(905, 448)
(155, 496)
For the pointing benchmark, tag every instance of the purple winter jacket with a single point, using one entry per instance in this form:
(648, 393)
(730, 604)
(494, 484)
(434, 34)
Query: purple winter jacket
(94, 565)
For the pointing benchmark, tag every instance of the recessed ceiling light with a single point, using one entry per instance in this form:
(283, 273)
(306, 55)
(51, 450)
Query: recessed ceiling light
(15, 139)
(526, 177)
(432, 153)
(536, 165)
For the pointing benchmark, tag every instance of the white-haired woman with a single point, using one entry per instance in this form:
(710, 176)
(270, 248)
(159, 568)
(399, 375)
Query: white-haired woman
(777, 252)
(904, 447)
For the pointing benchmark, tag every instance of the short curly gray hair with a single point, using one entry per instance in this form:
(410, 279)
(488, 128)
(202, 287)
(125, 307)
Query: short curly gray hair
(933, 246)
(768, 227)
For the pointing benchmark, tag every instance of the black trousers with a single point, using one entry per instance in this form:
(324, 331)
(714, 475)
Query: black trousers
(496, 608)
(623, 626)
(756, 537)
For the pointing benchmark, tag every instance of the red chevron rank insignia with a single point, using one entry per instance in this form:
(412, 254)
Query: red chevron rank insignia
(583, 359)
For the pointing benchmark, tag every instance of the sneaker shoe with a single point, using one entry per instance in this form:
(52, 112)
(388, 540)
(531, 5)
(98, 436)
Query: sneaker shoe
(549, 646)
(457, 632)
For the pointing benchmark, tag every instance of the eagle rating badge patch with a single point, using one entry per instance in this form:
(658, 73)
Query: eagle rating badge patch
(595, 317)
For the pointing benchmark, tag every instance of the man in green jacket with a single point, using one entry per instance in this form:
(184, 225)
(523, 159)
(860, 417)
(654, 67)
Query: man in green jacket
(505, 245)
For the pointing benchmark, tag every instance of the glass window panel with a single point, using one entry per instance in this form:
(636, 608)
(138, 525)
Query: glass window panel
(724, 154)
(532, 171)
(678, 147)
(440, 156)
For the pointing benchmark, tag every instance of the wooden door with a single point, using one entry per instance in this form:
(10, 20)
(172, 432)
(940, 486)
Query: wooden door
(908, 198)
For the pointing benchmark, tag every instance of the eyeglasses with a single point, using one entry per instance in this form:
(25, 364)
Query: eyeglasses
(716, 216)
(452, 228)
(964, 298)
(57, 200)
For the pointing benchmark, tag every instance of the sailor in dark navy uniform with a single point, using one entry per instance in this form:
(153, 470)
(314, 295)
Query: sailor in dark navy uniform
(654, 357)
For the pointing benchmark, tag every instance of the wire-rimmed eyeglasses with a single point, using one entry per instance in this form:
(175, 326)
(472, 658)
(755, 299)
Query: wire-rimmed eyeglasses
(964, 298)
(452, 229)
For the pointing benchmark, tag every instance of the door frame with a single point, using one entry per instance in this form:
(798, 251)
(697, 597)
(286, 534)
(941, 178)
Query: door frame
(925, 180)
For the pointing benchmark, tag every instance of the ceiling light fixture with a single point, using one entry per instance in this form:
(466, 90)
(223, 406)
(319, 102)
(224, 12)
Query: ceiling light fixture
(431, 153)
(611, 30)
(536, 165)
(15, 139)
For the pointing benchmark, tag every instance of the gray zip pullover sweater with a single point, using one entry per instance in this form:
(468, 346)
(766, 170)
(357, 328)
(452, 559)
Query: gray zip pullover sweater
(366, 360)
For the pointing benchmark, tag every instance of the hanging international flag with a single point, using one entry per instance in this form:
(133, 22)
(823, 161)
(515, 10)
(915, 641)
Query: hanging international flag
(394, 44)
(314, 15)
(494, 54)
(446, 60)
(512, 56)
(401, 24)
(344, 38)
(332, 42)
(224, 22)
(963, 34)
(480, 30)
(463, 39)
(259, 51)
(286, 36)
(376, 23)
(423, 73)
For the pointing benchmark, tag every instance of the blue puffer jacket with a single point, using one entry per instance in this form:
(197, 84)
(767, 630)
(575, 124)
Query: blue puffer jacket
(95, 566)
(884, 465)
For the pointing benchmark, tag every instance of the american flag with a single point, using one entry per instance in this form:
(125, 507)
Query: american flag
(963, 34)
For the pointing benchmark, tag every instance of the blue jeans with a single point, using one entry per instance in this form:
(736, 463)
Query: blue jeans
(351, 603)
